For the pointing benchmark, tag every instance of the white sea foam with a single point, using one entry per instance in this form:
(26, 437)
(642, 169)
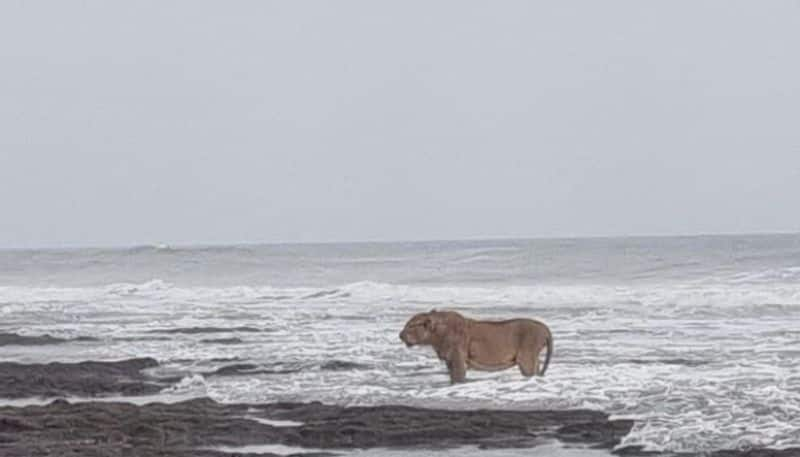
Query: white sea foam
(279, 449)
(194, 385)
(157, 294)
(274, 422)
(690, 361)
(545, 450)
(137, 400)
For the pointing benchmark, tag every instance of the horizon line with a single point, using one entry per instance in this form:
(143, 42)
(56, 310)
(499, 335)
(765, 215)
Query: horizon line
(395, 241)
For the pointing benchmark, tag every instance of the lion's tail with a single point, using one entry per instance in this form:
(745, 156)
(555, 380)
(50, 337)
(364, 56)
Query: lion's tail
(549, 343)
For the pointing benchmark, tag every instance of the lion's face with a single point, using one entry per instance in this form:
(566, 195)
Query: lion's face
(418, 330)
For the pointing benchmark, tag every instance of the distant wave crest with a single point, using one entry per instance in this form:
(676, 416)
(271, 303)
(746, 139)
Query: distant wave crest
(699, 297)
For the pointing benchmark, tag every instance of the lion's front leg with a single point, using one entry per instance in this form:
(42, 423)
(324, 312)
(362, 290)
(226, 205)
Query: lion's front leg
(457, 366)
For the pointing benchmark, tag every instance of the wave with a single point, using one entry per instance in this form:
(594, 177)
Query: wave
(200, 330)
(774, 275)
(155, 293)
(193, 385)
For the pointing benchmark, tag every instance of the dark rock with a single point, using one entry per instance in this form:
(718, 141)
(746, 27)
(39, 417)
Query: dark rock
(790, 452)
(191, 427)
(605, 433)
(13, 425)
(199, 330)
(195, 427)
(222, 341)
(248, 369)
(685, 362)
(8, 339)
(400, 426)
(124, 377)
(143, 338)
(342, 365)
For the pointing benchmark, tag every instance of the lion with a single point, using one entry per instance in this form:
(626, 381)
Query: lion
(480, 345)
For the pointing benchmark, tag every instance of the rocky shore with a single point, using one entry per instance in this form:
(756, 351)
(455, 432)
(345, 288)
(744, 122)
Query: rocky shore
(191, 428)
(8, 339)
(84, 379)
(199, 427)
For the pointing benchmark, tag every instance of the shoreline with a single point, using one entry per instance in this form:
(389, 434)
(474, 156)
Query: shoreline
(109, 416)
(202, 427)
(184, 428)
(111, 410)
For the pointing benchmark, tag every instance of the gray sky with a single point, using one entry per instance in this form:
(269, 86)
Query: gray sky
(256, 121)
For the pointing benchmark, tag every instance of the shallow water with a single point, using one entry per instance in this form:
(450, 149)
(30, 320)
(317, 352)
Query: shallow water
(695, 338)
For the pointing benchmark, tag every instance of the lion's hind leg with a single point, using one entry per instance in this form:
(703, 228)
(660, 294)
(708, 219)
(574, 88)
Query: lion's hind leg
(528, 363)
(528, 360)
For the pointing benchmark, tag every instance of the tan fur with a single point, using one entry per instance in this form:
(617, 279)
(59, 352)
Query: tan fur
(480, 345)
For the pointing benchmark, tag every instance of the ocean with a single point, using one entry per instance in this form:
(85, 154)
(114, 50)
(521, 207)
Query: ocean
(695, 338)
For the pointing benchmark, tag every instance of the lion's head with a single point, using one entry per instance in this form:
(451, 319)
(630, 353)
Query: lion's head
(418, 329)
(431, 327)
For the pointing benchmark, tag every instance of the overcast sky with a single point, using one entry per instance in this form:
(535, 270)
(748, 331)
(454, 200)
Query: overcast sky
(253, 121)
